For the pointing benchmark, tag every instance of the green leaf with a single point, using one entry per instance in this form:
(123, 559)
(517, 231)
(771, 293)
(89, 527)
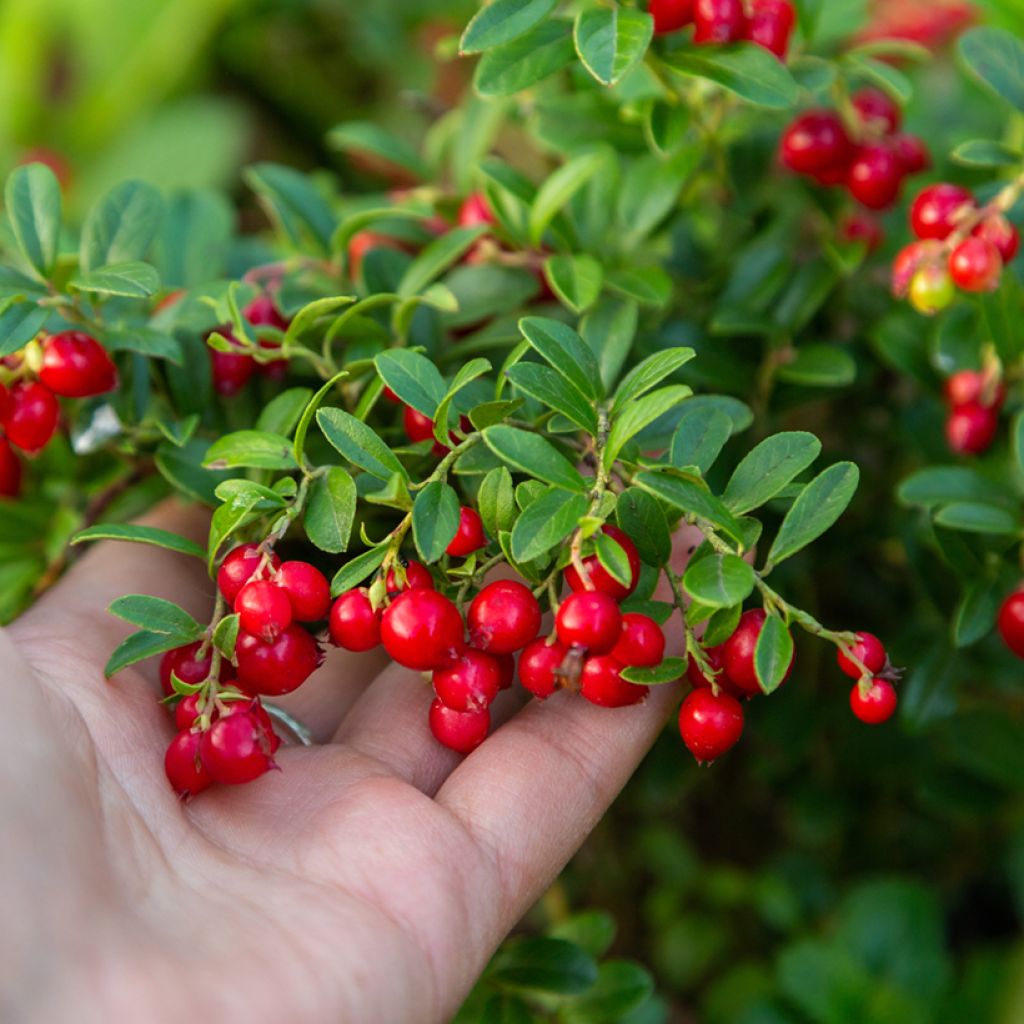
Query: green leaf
(986, 153)
(554, 392)
(608, 330)
(767, 469)
(331, 510)
(546, 522)
(508, 69)
(719, 581)
(882, 74)
(721, 625)
(591, 930)
(560, 187)
(643, 519)
(367, 137)
(155, 615)
(820, 504)
(819, 366)
(33, 207)
(467, 373)
(700, 437)
(437, 257)
(413, 377)
(225, 635)
(976, 613)
(20, 322)
(976, 518)
(496, 501)
(566, 351)
(640, 413)
(610, 41)
(552, 966)
(182, 466)
(359, 444)
(435, 520)
(996, 58)
(255, 449)
(613, 558)
(293, 202)
(138, 647)
(302, 429)
(942, 485)
(147, 342)
(693, 498)
(139, 535)
(621, 988)
(121, 227)
(668, 671)
(502, 21)
(773, 654)
(531, 454)
(648, 373)
(133, 280)
(281, 414)
(576, 280)
(746, 69)
(250, 495)
(650, 286)
(1017, 439)
(307, 317)
(353, 573)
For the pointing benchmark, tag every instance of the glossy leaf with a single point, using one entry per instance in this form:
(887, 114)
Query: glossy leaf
(502, 21)
(767, 469)
(546, 522)
(435, 519)
(531, 454)
(331, 510)
(359, 443)
(33, 205)
(610, 40)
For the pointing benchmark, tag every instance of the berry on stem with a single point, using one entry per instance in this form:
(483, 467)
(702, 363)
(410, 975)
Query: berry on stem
(422, 629)
(911, 153)
(601, 683)
(710, 724)
(967, 386)
(670, 15)
(877, 112)
(716, 659)
(76, 365)
(277, 667)
(718, 21)
(862, 227)
(600, 578)
(641, 643)
(30, 416)
(937, 209)
(469, 684)
(875, 705)
(254, 706)
(1011, 623)
(538, 664)
(263, 610)
(971, 428)
(589, 619)
(236, 749)
(185, 768)
(417, 577)
(931, 289)
(738, 653)
(307, 589)
(421, 428)
(186, 664)
(869, 650)
(1001, 233)
(231, 371)
(975, 265)
(875, 176)
(470, 535)
(238, 567)
(461, 731)
(816, 142)
(475, 211)
(353, 623)
(771, 24)
(504, 617)
(909, 260)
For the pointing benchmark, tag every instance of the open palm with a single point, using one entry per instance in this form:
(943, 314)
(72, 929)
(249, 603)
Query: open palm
(369, 880)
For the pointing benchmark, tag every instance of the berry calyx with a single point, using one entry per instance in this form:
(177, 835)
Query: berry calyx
(417, 577)
(641, 643)
(975, 265)
(937, 209)
(504, 617)
(76, 365)
(600, 578)
(353, 623)
(770, 25)
(670, 15)
(716, 660)
(1011, 623)
(239, 566)
(422, 629)
(710, 723)
(589, 619)
(186, 771)
(307, 588)
(876, 704)
(971, 428)
(469, 684)
(10, 471)
(718, 21)
(879, 114)
(461, 731)
(931, 289)
(538, 667)
(470, 536)
(30, 416)
(279, 666)
(875, 177)
(263, 610)
(185, 663)
(236, 749)
(738, 653)
(869, 650)
(601, 683)
(816, 142)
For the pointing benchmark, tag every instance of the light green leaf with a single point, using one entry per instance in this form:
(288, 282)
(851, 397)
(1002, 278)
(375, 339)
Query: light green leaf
(502, 21)
(773, 654)
(639, 413)
(133, 280)
(560, 187)
(255, 449)
(515, 66)
(576, 280)
(566, 351)
(610, 40)
(331, 510)
(746, 69)
(33, 205)
(140, 535)
(719, 581)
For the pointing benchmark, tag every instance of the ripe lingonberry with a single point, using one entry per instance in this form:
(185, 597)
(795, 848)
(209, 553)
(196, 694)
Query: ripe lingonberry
(909, 260)
(600, 578)
(421, 428)
(262, 312)
(710, 724)
(975, 265)
(186, 664)
(1001, 233)
(875, 177)
(307, 589)
(861, 227)
(869, 650)
(30, 416)
(236, 749)
(738, 653)
(422, 629)
(931, 289)
(1011, 623)
(187, 711)
(461, 731)
(971, 428)
(469, 684)
(504, 617)
(76, 365)
(967, 386)
(937, 209)
(816, 142)
(589, 619)
(506, 670)
(877, 112)
(354, 624)
(911, 153)
(641, 643)
(538, 664)
(716, 659)
(417, 577)
(877, 704)
(670, 15)
(185, 768)
(277, 667)
(771, 24)
(470, 535)
(253, 706)
(601, 683)
(10, 471)
(263, 610)
(231, 370)
(475, 211)
(238, 567)
(718, 21)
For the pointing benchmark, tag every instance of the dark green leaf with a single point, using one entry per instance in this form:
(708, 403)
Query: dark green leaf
(437, 257)
(331, 510)
(719, 581)
(650, 286)
(608, 330)
(693, 498)
(435, 520)
(996, 57)
(576, 280)
(352, 573)
(566, 351)
(642, 518)
(773, 654)
(155, 615)
(413, 377)
(367, 137)
(281, 414)
(546, 522)
(976, 613)
(302, 429)
(621, 987)
(639, 413)
(140, 535)
(560, 187)
(133, 280)
(819, 366)
(746, 69)
(294, 203)
(138, 647)
(941, 485)
(591, 930)
(517, 65)
(613, 558)
(147, 342)
(542, 965)
(496, 501)
(33, 206)
(531, 454)
(668, 671)
(554, 392)
(20, 322)
(767, 469)
(650, 372)
(700, 437)
(359, 443)
(977, 518)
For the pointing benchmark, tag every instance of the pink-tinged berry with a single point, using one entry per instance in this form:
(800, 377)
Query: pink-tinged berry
(971, 428)
(538, 665)
(263, 610)
(262, 312)
(476, 211)
(590, 620)
(354, 624)
(877, 112)
(937, 210)
(236, 749)
(931, 289)
(967, 386)
(30, 416)
(307, 589)
(76, 365)
(602, 684)
(670, 15)
(278, 667)
(771, 24)
(875, 177)
(422, 629)
(10, 471)
(239, 566)
(469, 684)
(641, 643)
(186, 771)
(975, 265)
(186, 664)
(875, 706)
(816, 142)
(718, 21)
(504, 617)
(911, 153)
(1011, 623)
(461, 731)
(600, 578)
(869, 650)
(417, 577)
(710, 724)
(231, 371)
(1001, 233)
(470, 535)
(738, 653)
(909, 260)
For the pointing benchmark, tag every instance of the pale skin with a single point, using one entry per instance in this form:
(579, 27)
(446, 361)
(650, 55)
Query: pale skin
(369, 880)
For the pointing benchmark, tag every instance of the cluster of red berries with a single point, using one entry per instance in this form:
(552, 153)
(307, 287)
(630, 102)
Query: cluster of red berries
(71, 365)
(870, 156)
(960, 245)
(974, 402)
(1011, 622)
(711, 717)
(233, 370)
(769, 23)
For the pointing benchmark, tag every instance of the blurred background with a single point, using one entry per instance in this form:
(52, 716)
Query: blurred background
(821, 868)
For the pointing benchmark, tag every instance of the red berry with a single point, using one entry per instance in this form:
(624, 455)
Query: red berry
(262, 312)
(937, 209)
(641, 643)
(875, 177)
(231, 371)
(861, 227)
(186, 771)
(877, 112)
(417, 577)
(421, 428)
(422, 629)
(307, 589)
(718, 21)
(877, 705)
(506, 670)
(816, 142)
(236, 749)
(504, 617)
(277, 667)
(538, 664)
(710, 724)
(738, 653)
(869, 650)
(911, 153)
(771, 24)
(390, 396)
(263, 610)
(76, 365)
(187, 711)
(971, 428)
(363, 242)
(964, 387)
(670, 15)
(354, 624)
(30, 416)
(238, 567)
(10, 471)
(1001, 233)
(461, 731)
(188, 667)
(600, 578)
(715, 657)
(1011, 623)
(601, 683)
(475, 211)
(589, 619)
(254, 706)
(469, 684)
(975, 265)
(470, 535)
(908, 261)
